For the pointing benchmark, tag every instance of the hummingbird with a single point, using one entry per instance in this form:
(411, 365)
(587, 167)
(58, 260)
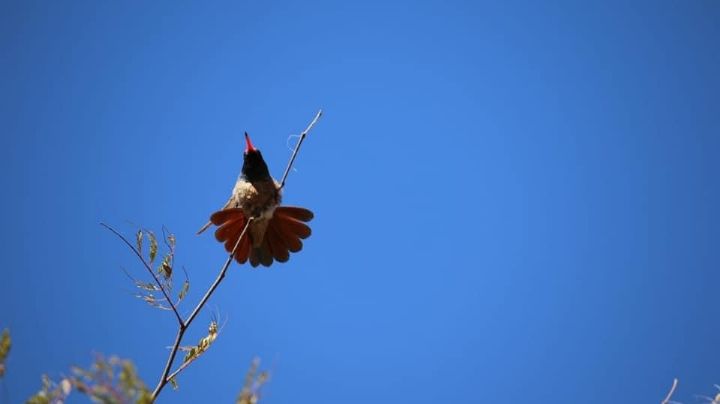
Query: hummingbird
(275, 231)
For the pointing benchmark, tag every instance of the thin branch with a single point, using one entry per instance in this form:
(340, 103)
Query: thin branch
(181, 368)
(671, 392)
(164, 379)
(152, 273)
(297, 148)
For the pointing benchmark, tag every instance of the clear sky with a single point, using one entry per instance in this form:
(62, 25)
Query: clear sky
(515, 201)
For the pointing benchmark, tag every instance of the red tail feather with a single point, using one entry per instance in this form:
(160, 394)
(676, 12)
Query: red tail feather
(231, 223)
(282, 236)
(295, 212)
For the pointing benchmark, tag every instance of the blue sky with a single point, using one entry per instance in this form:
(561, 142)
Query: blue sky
(514, 200)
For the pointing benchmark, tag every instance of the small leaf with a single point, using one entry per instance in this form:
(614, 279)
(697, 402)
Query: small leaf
(5, 344)
(138, 240)
(153, 246)
(184, 290)
(174, 383)
(78, 371)
(165, 269)
(150, 287)
(192, 353)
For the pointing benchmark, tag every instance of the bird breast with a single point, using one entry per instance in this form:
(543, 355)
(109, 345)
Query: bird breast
(258, 199)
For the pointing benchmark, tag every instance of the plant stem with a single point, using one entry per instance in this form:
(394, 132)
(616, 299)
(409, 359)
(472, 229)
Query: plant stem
(164, 379)
(303, 135)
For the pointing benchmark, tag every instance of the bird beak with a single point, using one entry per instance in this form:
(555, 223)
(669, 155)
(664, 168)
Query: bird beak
(248, 143)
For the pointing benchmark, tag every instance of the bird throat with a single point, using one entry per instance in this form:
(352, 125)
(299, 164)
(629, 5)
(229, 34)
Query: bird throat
(254, 168)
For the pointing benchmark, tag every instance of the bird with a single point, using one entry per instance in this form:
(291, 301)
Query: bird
(275, 231)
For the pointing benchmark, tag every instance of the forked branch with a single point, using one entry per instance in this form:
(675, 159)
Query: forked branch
(147, 266)
(165, 378)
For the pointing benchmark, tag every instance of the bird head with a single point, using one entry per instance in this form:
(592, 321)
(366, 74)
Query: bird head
(254, 167)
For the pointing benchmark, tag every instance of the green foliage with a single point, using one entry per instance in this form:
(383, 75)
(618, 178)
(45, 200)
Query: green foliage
(5, 344)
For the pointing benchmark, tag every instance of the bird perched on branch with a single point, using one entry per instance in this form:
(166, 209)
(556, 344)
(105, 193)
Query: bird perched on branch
(275, 231)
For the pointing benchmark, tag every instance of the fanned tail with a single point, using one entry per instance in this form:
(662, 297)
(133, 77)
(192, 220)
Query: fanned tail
(283, 235)
(231, 223)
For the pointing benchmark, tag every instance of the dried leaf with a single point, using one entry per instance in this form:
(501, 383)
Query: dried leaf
(204, 344)
(191, 354)
(153, 246)
(138, 240)
(165, 269)
(5, 344)
(153, 301)
(184, 290)
(150, 287)
(78, 371)
(51, 392)
(149, 299)
(250, 393)
(110, 380)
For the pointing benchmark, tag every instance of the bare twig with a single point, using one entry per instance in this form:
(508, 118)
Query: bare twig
(297, 147)
(670, 393)
(164, 379)
(147, 266)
